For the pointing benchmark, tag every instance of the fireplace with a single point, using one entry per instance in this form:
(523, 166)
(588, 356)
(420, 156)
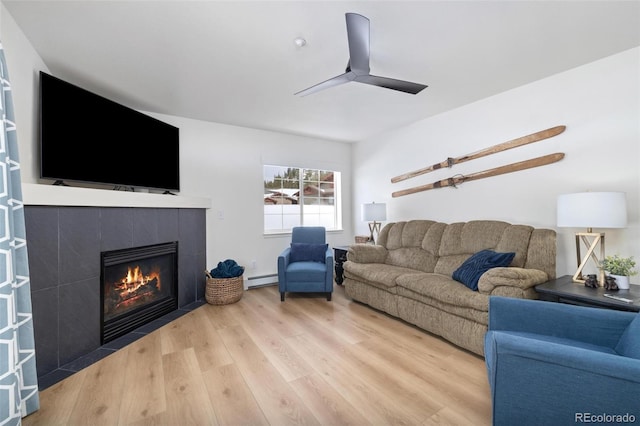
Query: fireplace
(139, 285)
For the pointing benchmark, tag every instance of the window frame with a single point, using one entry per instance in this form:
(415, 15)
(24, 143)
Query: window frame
(303, 184)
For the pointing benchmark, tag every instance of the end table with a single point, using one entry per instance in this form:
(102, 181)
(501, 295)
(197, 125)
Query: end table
(564, 290)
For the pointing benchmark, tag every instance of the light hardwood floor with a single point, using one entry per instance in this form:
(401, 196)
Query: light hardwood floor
(264, 362)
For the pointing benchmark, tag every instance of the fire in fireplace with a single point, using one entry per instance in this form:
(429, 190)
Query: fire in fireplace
(139, 285)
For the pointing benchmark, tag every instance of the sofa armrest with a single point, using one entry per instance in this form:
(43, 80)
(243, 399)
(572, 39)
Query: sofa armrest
(367, 253)
(537, 382)
(562, 356)
(602, 327)
(328, 257)
(283, 262)
(521, 278)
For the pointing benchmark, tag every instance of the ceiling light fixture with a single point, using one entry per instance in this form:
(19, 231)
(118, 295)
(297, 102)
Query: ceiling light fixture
(300, 42)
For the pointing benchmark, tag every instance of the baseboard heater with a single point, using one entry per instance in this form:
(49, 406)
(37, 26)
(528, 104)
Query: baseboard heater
(260, 281)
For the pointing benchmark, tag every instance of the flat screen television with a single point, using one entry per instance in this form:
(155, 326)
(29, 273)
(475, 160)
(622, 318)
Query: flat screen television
(85, 137)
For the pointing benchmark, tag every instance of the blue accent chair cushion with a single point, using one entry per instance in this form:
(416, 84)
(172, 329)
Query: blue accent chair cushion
(472, 269)
(307, 252)
(556, 364)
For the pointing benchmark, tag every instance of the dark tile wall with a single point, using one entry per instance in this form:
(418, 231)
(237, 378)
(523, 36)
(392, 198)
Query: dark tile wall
(64, 245)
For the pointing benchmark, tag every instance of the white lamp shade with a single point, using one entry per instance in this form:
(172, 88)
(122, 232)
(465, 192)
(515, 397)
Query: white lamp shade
(374, 212)
(592, 210)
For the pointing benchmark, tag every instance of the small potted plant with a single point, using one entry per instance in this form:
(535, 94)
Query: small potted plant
(620, 268)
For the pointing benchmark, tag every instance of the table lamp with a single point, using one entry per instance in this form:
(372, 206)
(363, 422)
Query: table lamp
(374, 213)
(591, 210)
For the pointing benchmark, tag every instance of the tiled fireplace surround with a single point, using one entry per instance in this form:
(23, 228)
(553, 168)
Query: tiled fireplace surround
(64, 245)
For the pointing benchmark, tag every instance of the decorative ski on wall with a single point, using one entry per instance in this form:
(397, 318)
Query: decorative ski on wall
(449, 162)
(458, 179)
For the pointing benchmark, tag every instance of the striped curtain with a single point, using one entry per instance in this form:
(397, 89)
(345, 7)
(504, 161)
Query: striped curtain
(18, 375)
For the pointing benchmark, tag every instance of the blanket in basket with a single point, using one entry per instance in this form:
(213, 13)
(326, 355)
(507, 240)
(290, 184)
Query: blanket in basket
(227, 269)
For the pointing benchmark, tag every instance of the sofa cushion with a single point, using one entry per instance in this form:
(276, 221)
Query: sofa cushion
(376, 274)
(411, 234)
(412, 258)
(516, 238)
(443, 292)
(471, 237)
(470, 271)
(305, 252)
(629, 343)
(460, 240)
(392, 238)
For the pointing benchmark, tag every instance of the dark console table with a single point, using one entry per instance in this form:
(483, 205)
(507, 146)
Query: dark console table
(339, 257)
(564, 290)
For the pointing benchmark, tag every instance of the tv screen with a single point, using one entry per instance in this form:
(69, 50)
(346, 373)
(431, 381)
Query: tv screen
(85, 137)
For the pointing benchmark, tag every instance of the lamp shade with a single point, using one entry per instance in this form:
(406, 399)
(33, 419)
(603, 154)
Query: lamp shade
(374, 212)
(592, 210)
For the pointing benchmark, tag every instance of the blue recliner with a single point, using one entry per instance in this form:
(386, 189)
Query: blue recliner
(557, 364)
(307, 265)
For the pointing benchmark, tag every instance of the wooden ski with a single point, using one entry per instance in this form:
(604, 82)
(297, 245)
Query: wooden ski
(449, 162)
(458, 179)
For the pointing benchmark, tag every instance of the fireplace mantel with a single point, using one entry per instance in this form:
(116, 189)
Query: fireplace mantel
(53, 195)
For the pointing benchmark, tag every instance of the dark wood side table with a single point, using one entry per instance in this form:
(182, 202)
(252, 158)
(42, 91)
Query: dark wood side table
(339, 257)
(564, 290)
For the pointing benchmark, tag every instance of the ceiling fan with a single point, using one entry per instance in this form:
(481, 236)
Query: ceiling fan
(358, 65)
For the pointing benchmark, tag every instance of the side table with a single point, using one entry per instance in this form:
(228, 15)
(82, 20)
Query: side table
(564, 290)
(339, 257)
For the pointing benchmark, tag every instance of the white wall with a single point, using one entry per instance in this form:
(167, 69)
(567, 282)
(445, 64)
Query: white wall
(223, 163)
(599, 104)
(23, 64)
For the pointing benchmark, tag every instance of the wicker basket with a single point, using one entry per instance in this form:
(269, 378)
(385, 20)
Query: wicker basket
(362, 239)
(223, 291)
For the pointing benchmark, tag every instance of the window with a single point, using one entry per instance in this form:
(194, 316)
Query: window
(296, 197)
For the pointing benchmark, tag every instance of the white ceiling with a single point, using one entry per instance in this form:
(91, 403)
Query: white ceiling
(236, 62)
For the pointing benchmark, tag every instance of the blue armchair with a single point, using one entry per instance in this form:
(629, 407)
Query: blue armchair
(557, 364)
(307, 265)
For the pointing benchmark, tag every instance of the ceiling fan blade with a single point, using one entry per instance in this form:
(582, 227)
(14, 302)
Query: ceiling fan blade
(358, 65)
(335, 81)
(358, 36)
(391, 83)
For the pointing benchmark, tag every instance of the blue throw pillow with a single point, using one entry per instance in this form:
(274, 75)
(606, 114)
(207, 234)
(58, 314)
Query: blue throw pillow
(470, 271)
(305, 252)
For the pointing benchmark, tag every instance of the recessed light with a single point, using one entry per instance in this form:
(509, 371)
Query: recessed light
(300, 42)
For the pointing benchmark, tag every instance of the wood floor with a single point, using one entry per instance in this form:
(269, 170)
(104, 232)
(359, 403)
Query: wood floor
(265, 362)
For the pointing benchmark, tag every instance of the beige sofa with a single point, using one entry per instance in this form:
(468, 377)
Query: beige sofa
(408, 273)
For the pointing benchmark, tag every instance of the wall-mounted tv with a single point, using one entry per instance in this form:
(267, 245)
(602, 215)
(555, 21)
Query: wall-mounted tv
(85, 137)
